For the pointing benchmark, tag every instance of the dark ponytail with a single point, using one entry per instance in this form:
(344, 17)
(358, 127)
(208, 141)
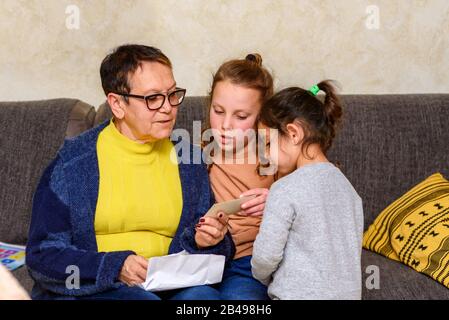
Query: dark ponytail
(319, 120)
(332, 109)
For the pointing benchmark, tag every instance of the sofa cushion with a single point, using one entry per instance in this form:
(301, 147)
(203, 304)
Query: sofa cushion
(30, 135)
(397, 281)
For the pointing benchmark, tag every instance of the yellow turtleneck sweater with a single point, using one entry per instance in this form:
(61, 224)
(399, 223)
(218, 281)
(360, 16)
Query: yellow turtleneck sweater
(140, 197)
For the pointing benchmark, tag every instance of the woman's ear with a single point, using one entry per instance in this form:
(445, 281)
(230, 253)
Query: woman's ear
(295, 132)
(116, 107)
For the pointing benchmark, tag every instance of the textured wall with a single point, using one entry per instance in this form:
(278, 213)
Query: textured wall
(44, 55)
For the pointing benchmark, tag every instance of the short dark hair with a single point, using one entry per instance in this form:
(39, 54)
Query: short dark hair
(117, 66)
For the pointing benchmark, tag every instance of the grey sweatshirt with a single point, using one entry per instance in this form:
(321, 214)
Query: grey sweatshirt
(310, 240)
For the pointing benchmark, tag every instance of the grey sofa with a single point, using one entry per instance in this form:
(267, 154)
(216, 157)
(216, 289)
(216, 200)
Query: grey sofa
(388, 144)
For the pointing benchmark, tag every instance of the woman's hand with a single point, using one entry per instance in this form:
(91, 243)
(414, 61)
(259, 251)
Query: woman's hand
(211, 230)
(254, 207)
(134, 270)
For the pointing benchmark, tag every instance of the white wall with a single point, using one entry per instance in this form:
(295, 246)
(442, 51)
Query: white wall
(301, 41)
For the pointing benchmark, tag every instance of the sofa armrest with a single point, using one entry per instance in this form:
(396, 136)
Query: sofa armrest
(81, 118)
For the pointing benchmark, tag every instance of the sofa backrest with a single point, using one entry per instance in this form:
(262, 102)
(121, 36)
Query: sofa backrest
(30, 135)
(387, 143)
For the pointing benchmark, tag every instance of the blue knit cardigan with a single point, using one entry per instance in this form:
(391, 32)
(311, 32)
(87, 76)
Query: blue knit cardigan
(62, 230)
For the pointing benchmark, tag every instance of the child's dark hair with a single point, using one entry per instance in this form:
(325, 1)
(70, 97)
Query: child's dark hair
(319, 120)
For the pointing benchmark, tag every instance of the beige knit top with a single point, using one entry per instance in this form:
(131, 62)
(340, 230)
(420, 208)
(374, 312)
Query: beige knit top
(228, 182)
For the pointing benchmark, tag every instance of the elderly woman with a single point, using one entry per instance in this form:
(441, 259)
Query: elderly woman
(113, 197)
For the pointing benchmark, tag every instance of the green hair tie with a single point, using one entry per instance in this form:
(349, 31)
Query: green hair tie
(314, 90)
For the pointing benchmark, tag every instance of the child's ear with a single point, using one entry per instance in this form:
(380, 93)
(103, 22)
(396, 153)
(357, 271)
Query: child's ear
(116, 107)
(295, 132)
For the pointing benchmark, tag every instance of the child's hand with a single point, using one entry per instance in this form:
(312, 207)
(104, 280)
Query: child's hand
(254, 207)
(211, 230)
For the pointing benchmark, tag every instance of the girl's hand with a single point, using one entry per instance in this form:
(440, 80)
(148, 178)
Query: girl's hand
(211, 230)
(254, 207)
(134, 270)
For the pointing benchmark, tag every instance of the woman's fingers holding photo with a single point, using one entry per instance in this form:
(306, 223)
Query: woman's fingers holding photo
(211, 230)
(223, 219)
(216, 222)
(204, 239)
(216, 233)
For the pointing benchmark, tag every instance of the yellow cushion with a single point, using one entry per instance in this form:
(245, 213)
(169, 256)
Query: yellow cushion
(414, 229)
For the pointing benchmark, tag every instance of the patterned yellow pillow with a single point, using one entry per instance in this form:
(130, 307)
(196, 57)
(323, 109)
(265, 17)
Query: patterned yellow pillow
(415, 229)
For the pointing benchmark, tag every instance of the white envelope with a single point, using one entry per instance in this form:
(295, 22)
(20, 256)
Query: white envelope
(181, 270)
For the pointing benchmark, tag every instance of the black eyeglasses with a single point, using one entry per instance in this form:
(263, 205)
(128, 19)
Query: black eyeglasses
(157, 100)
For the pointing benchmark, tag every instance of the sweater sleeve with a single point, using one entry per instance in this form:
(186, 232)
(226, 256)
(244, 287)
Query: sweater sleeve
(51, 256)
(185, 238)
(268, 249)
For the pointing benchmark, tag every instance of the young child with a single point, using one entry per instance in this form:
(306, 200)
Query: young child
(310, 240)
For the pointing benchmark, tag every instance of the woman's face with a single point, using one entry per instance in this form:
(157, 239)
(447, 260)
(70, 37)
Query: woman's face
(234, 109)
(138, 122)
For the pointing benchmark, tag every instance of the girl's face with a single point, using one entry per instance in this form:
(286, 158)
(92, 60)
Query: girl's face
(288, 150)
(234, 109)
(285, 157)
